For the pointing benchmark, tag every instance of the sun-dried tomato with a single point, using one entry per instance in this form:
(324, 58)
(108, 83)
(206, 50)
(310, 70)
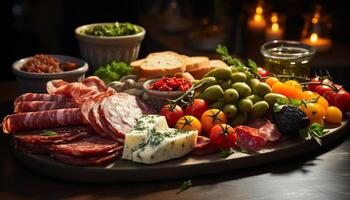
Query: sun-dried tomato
(171, 84)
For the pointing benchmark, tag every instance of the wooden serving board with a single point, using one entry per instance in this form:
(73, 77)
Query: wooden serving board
(127, 171)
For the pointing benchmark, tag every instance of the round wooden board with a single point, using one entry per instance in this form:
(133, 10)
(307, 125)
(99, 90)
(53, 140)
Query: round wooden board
(127, 171)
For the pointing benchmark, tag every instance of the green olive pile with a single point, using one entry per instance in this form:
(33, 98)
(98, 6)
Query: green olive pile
(237, 94)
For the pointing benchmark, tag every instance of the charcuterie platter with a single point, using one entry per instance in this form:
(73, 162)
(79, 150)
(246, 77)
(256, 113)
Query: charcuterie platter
(170, 115)
(127, 171)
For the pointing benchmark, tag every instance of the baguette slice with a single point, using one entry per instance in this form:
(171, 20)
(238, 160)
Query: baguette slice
(197, 63)
(136, 64)
(163, 64)
(198, 74)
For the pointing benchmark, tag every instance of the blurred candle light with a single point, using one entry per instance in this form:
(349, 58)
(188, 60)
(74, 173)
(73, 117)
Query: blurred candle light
(257, 22)
(275, 31)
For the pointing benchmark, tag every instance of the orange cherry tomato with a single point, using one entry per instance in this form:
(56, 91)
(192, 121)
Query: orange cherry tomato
(189, 123)
(323, 102)
(287, 90)
(333, 115)
(212, 117)
(293, 84)
(313, 111)
(271, 81)
(308, 95)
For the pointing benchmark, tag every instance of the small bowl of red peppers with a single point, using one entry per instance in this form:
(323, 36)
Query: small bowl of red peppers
(166, 88)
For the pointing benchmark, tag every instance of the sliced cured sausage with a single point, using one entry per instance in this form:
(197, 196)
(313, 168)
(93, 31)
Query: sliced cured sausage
(266, 129)
(42, 97)
(204, 147)
(31, 106)
(121, 112)
(42, 119)
(90, 145)
(249, 139)
(87, 160)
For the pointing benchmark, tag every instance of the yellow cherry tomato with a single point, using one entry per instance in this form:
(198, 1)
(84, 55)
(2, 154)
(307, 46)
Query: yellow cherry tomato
(287, 90)
(293, 84)
(271, 81)
(333, 115)
(323, 102)
(313, 111)
(189, 123)
(308, 95)
(212, 117)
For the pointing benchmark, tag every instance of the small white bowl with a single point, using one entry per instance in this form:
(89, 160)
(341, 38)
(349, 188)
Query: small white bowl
(100, 50)
(36, 82)
(159, 98)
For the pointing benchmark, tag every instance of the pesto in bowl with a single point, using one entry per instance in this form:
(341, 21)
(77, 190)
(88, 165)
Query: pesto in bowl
(112, 30)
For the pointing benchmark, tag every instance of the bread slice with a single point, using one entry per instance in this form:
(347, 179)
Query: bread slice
(136, 64)
(160, 64)
(198, 74)
(197, 63)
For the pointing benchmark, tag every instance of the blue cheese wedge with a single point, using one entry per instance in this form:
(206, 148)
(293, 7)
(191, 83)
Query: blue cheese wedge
(165, 145)
(140, 133)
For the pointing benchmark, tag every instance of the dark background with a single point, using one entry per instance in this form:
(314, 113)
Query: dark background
(47, 26)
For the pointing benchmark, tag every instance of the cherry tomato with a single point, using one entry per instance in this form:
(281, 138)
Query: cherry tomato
(263, 72)
(211, 118)
(171, 115)
(312, 87)
(333, 115)
(323, 89)
(223, 135)
(323, 102)
(320, 121)
(271, 81)
(197, 108)
(342, 101)
(189, 123)
(287, 90)
(308, 95)
(313, 111)
(293, 84)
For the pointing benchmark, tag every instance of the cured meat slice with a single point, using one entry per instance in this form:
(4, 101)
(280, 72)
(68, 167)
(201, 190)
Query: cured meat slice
(40, 141)
(94, 81)
(42, 119)
(249, 139)
(87, 160)
(204, 147)
(53, 85)
(266, 129)
(42, 97)
(91, 145)
(121, 112)
(31, 106)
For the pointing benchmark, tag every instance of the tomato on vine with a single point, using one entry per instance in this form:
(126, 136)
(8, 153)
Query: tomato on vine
(223, 135)
(172, 114)
(212, 117)
(197, 108)
(189, 123)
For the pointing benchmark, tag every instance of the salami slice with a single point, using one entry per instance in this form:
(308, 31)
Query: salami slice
(204, 147)
(31, 106)
(87, 161)
(42, 119)
(266, 129)
(94, 81)
(249, 139)
(91, 145)
(42, 97)
(120, 112)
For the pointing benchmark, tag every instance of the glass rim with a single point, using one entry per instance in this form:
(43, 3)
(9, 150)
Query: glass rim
(310, 49)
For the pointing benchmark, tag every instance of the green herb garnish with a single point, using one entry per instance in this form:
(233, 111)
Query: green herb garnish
(184, 186)
(110, 30)
(113, 71)
(226, 152)
(49, 133)
(315, 131)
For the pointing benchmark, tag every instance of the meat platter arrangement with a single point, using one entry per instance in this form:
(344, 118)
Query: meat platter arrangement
(216, 108)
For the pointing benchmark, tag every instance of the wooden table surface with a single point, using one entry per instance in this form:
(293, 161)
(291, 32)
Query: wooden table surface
(318, 175)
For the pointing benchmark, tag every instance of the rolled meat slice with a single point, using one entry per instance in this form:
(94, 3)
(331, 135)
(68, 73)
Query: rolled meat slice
(31, 106)
(94, 81)
(42, 119)
(43, 97)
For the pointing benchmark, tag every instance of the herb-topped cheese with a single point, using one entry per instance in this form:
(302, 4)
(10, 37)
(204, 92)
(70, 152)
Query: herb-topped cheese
(165, 145)
(141, 131)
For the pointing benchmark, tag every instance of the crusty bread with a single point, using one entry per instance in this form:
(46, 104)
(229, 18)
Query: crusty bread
(163, 64)
(136, 64)
(198, 74)
(197, 63)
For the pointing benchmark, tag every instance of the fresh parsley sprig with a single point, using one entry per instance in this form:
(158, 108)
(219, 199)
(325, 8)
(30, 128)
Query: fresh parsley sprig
(184, 186)
(315, 131)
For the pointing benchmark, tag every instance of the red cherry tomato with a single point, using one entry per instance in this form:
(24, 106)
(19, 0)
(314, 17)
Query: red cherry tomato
(263, 72)
(223, 136)
(171, 115)
(197, 108)
(312, 87)
(323, 89)
(342, 101)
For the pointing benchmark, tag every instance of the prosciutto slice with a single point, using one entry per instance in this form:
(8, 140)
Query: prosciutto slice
(42, 119)
(42, 97)
(31, 106)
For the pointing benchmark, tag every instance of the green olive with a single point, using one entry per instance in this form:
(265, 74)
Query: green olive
(212, 93)
(209, 82)
(253, 84)
(230, 111)
(239, 77)
(245, 105)
(226, 85)
(271, 98)
(242, 88)
(217, 105)
(234, 69)
(254, 98)
(262, 89)
(260, 109)
(220, 73)
(249, 76)
(231, 95)
(240, 119)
